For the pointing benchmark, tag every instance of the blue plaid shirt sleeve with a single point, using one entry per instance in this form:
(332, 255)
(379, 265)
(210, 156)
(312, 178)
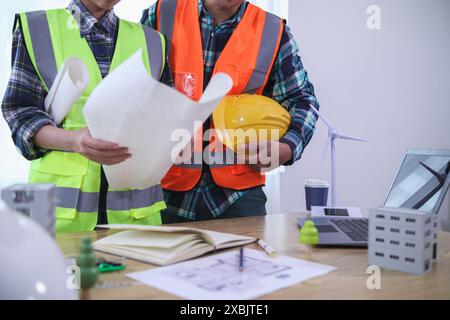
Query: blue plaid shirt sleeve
(289, 85)
(23, 103)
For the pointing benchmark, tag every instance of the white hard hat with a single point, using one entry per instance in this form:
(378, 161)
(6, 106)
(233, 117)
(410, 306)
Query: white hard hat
(32, 265)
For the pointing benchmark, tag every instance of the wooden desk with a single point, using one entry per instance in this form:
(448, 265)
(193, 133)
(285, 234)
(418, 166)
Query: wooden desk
(280, 231)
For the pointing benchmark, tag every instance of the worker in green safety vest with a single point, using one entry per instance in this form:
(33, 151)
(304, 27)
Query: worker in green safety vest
(68, 156)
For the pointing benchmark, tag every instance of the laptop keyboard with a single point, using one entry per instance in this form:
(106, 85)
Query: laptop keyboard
(356, 229)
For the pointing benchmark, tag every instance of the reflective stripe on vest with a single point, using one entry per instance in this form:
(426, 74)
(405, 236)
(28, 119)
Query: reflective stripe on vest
(158, 55)
(116, 200)
(77, 178)
(269, 46)
(166, 11)
(247, 58)
(44, 57)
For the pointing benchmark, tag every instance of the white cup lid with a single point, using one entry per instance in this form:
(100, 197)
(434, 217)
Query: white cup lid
(316, 183)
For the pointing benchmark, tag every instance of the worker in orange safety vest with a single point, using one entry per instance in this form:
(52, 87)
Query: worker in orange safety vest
(256, 49)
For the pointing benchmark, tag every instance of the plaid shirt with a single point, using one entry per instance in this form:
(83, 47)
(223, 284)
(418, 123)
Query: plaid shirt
(288, 84)
(23, 103)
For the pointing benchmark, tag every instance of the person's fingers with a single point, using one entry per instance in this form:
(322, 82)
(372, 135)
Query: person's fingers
(260, 166)
(258, 160)
(247, 153)
(114, 160)
(106, 153)
(109, 161)
(255, 167)
(262, 158)
(252, 148)
(100, 144)
(256, 147)
(258, 154)
(241, 155)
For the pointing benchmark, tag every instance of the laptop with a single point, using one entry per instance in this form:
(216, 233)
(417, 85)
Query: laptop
(421, 183)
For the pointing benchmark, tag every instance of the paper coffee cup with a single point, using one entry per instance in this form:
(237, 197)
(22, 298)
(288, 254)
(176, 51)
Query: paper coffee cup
(316, 193)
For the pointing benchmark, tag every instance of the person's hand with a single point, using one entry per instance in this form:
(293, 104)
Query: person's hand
(100, 151)
(265, 155)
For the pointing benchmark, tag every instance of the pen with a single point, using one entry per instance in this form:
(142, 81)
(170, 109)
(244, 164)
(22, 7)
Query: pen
(265, 246)
(241, 258)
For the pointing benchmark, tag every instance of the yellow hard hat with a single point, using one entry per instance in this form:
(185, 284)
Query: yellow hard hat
(245, 118)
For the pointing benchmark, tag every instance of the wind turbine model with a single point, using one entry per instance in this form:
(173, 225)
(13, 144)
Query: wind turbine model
(333, 133)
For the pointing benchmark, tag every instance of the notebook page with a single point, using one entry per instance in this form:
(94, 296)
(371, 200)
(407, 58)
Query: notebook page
(226, 240)
(148, 239)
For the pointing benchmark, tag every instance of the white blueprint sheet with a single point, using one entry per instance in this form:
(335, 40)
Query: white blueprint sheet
(217, 277)
(132, 109)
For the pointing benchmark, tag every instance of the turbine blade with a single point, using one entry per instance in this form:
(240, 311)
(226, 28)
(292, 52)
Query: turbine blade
(324, 119)
(349, 137)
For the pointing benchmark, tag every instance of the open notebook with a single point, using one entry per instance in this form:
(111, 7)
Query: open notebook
(165, 245)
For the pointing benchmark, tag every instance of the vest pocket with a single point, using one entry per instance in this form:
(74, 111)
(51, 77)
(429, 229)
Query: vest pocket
(140, 213)
(66, 213)
(174, 171)
(150, 215)
(66, 171)
(68, 192)
(240, 169)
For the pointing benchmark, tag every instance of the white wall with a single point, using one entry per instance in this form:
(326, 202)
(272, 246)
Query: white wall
(13, 167)
(390, 85)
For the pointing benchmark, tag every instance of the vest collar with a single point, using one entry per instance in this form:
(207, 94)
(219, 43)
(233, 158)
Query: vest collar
(87, 22)
(233, 20)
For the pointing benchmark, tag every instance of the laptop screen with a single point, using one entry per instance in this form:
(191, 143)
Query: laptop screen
(421, 182)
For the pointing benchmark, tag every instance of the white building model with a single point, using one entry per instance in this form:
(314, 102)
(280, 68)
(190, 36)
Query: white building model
(37, 201)
(402, 239)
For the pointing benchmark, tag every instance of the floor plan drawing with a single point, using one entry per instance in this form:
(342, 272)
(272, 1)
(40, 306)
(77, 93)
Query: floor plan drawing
(219, 276)
(223, 273)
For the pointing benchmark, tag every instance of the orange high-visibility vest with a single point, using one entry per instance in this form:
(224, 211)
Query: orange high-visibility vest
(247, 58)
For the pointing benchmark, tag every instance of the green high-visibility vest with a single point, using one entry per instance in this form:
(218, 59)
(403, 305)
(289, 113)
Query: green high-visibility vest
(51, 37)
